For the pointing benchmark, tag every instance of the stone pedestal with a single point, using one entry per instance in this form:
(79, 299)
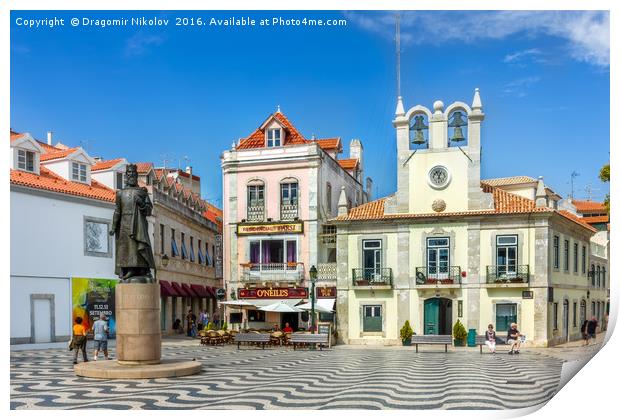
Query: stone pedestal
(138, 331)
(138, 340)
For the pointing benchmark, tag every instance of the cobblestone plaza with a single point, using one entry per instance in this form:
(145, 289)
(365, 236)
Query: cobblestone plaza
(280, 378)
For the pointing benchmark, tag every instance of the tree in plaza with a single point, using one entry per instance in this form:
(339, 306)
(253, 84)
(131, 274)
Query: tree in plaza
(605, 176)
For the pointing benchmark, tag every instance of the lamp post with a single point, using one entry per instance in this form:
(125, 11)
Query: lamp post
(313, 273)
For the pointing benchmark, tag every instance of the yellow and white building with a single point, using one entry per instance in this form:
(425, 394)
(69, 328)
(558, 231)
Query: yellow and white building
(448, 245)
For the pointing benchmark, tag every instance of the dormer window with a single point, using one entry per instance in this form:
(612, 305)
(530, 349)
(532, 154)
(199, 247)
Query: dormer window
(25, 160)
(78, 172)
(274, 137)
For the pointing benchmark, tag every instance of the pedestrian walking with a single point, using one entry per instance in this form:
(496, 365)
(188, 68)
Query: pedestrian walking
(514, 339)
(584, 333)
(490, 337)
(591, 329)
(191, 324)
(201, 318)
(100, 332)
(216, 320)
(78, 342)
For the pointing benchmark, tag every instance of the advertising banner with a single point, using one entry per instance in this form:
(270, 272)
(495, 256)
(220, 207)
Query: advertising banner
(269, 228)
(90, 297)
(274, 293)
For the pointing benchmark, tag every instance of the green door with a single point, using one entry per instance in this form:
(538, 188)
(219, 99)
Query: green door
(506, 314)
(373, 318)
(431, 316)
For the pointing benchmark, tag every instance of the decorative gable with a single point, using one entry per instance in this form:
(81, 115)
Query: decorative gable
(26, 153)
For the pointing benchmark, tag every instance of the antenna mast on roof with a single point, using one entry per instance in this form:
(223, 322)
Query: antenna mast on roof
(572, 184)
(397, 54)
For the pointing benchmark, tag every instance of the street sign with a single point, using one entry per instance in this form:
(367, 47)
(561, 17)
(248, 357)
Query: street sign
(220, 293)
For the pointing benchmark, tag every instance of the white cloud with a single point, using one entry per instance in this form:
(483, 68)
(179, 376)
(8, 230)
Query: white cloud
(139, 43)
(586, 32)
(519, 56)
(520, 87)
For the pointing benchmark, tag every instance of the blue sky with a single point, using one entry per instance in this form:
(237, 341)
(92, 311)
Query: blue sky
(150, 94)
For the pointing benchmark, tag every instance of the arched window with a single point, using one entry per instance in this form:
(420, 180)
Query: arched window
(592, 272)
(598, 276)
(418, 132)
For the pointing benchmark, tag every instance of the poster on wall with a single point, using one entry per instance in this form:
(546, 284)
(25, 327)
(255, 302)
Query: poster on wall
(90, 297)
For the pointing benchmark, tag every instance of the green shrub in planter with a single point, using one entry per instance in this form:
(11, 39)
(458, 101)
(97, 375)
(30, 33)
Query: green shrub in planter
(406, 332)
(210, 326)
(459, 333)
(225, 326)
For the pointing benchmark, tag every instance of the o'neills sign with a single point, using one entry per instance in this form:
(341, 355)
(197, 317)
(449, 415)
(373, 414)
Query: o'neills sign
(269, 228)
(275, 293)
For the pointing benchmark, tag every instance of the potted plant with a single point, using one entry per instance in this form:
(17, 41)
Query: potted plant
(459, 333)
(225, 326)
(406, 332)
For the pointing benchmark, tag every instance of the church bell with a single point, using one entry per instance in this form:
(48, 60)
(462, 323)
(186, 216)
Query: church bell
(417, 127)
(457, 123)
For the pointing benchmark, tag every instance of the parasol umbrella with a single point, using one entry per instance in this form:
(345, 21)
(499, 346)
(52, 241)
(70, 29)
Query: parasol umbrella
(279, 307)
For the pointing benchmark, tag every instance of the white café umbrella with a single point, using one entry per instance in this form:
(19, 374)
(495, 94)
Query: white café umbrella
(317, 307)
(236, 303)
(279, 307)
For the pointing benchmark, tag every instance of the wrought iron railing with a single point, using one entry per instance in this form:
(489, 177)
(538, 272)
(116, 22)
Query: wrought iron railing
(256, 212)
(260, 272)
(438, 275)
(372, 276)
(326, 271)
(508, 274)
(289, 211)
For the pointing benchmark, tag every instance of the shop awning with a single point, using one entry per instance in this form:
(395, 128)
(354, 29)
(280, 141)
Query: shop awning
(211, 291)
(280, 307)
(200, 290)
(320, 305)
(188, 289)
(267, 302)
(166, 289)
(179, 289)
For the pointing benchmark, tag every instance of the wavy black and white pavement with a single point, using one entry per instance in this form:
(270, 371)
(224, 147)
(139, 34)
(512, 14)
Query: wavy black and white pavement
(341, 377)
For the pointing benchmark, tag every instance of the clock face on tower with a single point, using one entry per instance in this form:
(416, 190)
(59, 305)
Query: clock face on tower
(438, 177)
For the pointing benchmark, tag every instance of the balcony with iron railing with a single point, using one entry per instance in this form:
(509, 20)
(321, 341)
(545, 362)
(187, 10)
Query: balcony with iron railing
(508, 274)
(289, 211)
(438, 276)
(256, 211)
(372, 277)
(272, 272)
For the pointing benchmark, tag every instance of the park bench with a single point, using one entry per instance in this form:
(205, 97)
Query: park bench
(480, 341)
(252, 338)
(316, 339)
(431, 339)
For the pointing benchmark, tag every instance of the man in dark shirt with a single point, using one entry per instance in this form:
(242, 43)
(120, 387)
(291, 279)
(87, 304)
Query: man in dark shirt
(591, 329)
(514, 339)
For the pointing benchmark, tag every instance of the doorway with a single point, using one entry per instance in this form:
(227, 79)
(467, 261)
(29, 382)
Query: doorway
(505, 314)
(42, 322)
(438, 316)
(292, 318)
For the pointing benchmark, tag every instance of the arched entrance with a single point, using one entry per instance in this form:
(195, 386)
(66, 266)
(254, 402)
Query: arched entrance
(438, 316)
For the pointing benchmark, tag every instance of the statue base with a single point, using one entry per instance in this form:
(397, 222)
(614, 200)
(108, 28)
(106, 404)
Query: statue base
(138, 339)
(111, 369)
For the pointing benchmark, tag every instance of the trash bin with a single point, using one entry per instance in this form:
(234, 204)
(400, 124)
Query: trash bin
(471, 338)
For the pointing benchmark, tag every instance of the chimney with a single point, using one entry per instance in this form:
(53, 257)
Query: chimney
(343, 205)
(49, 137)
(188, 169)
(541, 194)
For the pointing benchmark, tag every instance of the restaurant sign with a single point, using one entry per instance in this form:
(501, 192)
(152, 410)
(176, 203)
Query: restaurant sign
(274, 293)
(325, 292)
(269, 228)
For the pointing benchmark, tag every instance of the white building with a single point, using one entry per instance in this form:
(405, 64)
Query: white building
(60, 219)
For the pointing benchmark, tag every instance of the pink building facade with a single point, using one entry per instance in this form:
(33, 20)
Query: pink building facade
(280, 191)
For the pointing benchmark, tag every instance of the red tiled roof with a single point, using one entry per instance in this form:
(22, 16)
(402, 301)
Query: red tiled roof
(596, 219)
(57, 154)
(511, 180)
(144, 167)
(105, 164)
(49, 181)
(505, 203)
(329, 144)
(348, 164)
(588, 205)
(257, 138)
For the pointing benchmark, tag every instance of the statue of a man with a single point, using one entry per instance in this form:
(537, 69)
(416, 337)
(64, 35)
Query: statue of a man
(134, 254)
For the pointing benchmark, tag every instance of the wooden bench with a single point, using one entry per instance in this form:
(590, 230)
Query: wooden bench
(431, 339)
(317, 339)
(480, 341)
(252, 338)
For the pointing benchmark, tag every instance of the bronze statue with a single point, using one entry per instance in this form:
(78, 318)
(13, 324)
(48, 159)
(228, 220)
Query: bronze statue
(134, 254)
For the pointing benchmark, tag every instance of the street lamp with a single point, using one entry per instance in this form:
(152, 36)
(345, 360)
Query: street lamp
(312, 281)
(164, 260)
